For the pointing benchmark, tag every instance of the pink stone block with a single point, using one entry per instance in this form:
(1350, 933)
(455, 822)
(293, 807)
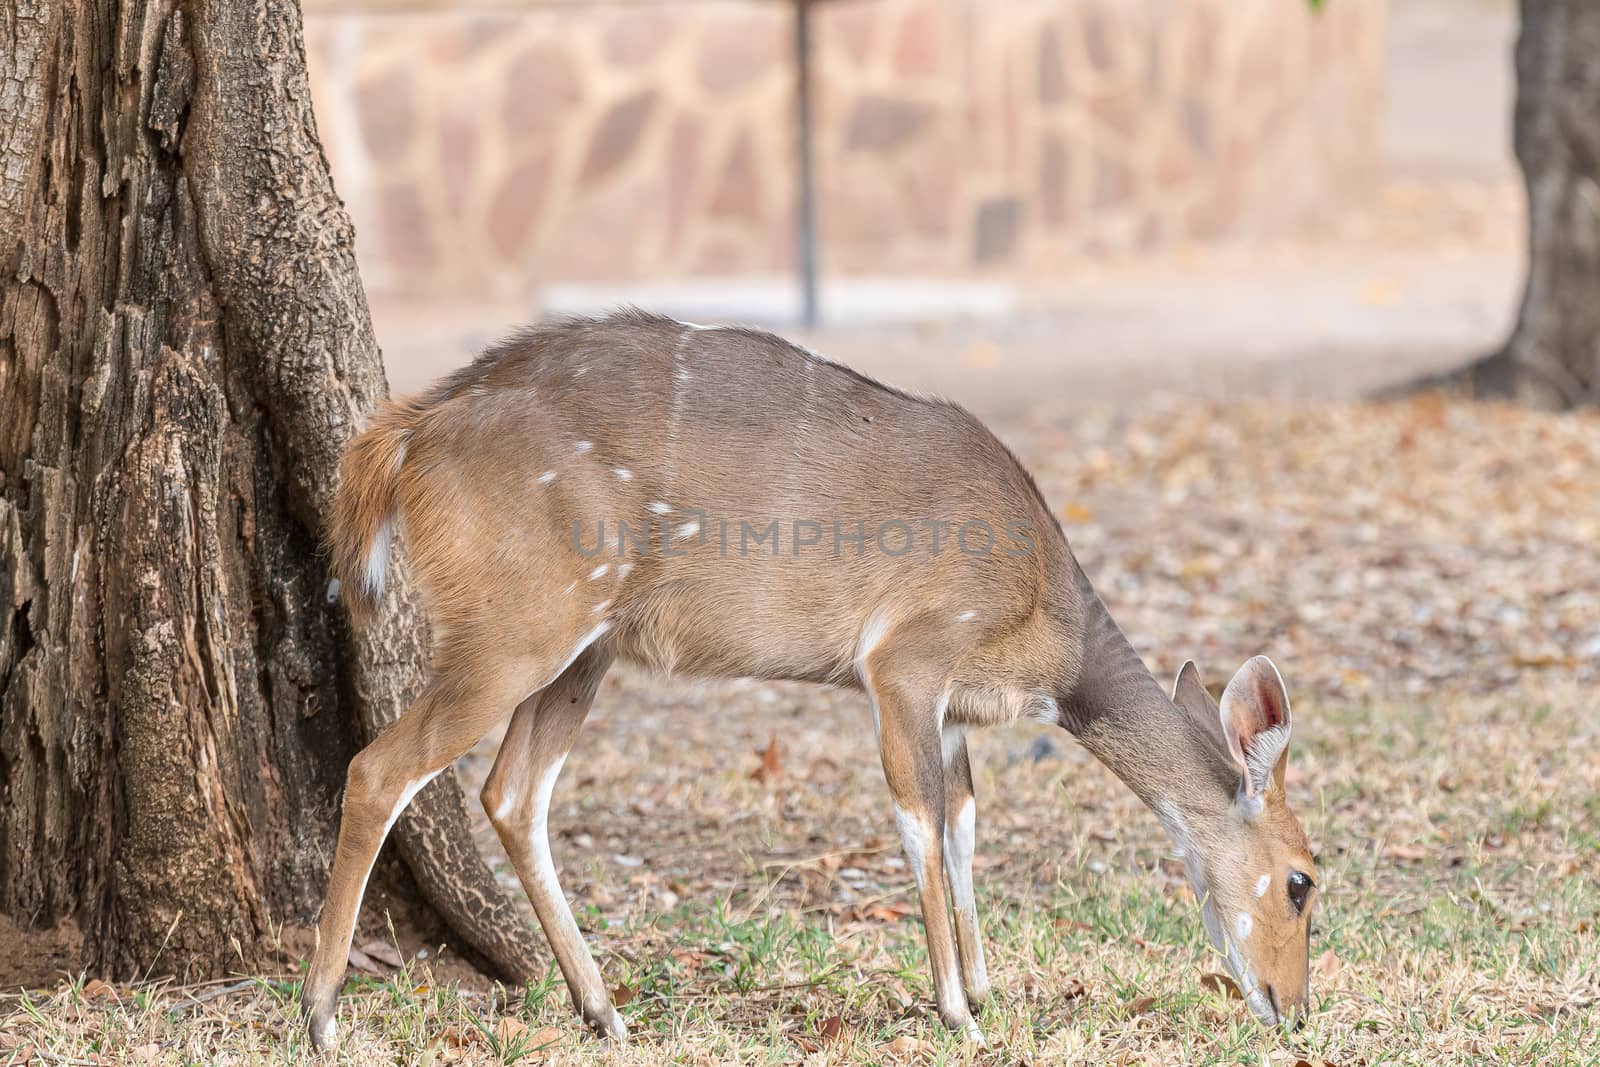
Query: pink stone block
(849, 31)
(919, 50)
(881, 123)
(683, 171)
(517, 204)
(386, 114)
(543, 86)
(738, 194)
(458, 159)
(1052, 72)
(618, 133)
(407, 236)
(739, 50)
(638, 37)
(1054, 181)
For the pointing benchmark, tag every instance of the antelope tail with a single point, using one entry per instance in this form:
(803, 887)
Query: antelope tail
(364, 507)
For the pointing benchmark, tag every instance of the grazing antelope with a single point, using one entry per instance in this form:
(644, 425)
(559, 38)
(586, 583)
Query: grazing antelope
(720, 502)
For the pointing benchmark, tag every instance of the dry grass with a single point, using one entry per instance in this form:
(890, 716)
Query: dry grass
(1447, 779)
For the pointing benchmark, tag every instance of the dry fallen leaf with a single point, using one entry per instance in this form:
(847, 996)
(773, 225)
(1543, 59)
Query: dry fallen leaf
(770, 768)
(383, 952)
(508, 1028)
(1140, 1006)
(1220, 983)
(903, 1046)
(623, 994)
(1326, 965)
(95, 989)
(891, 912)
(365, 963)
(1405, 852)
(830, 1028)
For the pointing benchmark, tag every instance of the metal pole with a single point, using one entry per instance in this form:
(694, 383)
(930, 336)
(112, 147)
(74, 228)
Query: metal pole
(807, 220)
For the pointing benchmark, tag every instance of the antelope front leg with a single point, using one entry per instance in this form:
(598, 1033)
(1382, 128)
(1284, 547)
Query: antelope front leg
(517, 797)
(908, 737)
(960, 828)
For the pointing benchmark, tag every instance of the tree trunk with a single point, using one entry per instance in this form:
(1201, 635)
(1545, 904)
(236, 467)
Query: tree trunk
(184, 348)
(1552, 359)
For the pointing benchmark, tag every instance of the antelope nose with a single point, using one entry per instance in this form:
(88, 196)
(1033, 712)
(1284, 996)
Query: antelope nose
(1292, 1016)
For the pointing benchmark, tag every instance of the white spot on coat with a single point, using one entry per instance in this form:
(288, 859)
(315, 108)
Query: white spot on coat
(1242, 926)
(966, 616)
(547, 477)
(602, 606)
(623, 473)
(660, 507)
(688, 530)
(1262, 883)
(584, 446)
(599, 571)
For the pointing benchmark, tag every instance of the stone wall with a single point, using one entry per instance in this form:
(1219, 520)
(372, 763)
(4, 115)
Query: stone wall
(485, 152)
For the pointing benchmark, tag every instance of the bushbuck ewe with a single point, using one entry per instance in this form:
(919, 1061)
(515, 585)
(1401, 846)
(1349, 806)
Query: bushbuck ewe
(719, 502)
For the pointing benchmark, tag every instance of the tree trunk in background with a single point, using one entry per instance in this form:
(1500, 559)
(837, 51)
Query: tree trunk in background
(1552, 359)
(184, 348)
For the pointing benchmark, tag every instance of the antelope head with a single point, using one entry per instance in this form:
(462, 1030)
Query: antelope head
(1247, 858)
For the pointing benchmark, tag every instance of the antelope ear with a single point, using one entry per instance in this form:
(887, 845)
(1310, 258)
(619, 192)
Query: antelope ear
(1256, 722)
(1189, 693)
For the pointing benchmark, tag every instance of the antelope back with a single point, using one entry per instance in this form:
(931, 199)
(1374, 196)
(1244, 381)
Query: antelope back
(723, 501)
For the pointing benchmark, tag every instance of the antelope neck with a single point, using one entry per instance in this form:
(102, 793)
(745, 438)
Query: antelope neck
(1123, 717)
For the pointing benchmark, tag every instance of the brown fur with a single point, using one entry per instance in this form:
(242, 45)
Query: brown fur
(644, 419)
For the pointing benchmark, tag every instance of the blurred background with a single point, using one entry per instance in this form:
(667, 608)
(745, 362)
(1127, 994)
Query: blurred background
(1033, 202)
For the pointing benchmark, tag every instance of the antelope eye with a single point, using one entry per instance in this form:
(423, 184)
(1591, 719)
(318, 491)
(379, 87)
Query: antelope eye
(1300, 887)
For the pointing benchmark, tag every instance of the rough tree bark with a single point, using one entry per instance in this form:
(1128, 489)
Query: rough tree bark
(184, 347)
(1552, 359)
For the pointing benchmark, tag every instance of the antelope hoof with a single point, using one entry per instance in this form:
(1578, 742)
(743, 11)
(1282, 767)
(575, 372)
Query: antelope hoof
(959, 1020)
(606, 1022)
(974, 1034)
(323, 1031)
